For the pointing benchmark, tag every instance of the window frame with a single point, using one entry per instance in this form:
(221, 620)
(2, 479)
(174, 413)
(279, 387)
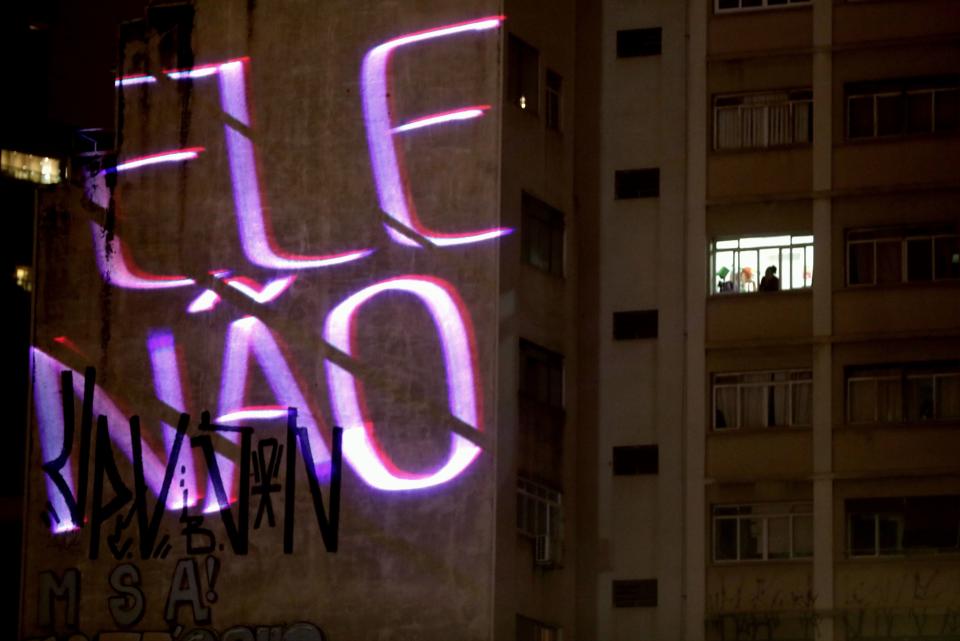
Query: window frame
(791, 511)
(898, 510)
(553, 101)
(903, 236)
(790, 383)
(531, 496)
(550, 220)
(515, 76)
(765, 6)
(901, 88)
(902, 373)
(790, 102)
(796, 241)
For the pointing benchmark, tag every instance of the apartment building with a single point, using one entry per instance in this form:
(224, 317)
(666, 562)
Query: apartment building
(678, 441)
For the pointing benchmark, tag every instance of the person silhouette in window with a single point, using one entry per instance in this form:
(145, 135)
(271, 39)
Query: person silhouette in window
(770, 282)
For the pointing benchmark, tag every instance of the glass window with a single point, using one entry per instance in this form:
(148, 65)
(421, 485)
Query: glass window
(541, 235)
(903, 106)
(763, 119)
(903, 525)
(914, 392)
(762, 399)
(902, 255)
(723, 6)
(523, 74)
(761, 264)
(553, 100)
(762, 532)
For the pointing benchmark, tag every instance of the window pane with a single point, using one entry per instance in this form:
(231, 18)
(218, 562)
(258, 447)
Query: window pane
(778, 537)
(920, 259)
(725, 545)
(808, 268)
(890, 115)
(889, 401)
(946, 257)
(888, 262)
(803, 536)
(947, 110)
(948, 396)
(890, 534)
(920, 112)
(802, 404)
(748, 271)
(726, 399)
(860, 267)
(920, 398)
(753, 407)
(751, 538)
(861, 117)
(777, 400)
(862, 401)
(862, 534)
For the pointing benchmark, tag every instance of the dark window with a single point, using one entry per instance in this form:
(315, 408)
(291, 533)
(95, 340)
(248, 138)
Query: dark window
(541, 235)
(552, 108)
(541, 374)
(632, 325)
(722, 6)
(641, 593)
(911, 524)
(523, 74)
(637, 183)
(533, 630)
(631, 460)
(632, 43)
(913, 393)
(541, 416)
(903, 106)
(878, 256)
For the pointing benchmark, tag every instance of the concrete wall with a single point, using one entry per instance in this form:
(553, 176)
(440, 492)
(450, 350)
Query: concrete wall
(415, 563)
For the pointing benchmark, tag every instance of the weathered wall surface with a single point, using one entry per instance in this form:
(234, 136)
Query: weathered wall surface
(256, 273)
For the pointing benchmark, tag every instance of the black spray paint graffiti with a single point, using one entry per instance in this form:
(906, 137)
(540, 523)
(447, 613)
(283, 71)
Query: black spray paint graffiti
(129, 506)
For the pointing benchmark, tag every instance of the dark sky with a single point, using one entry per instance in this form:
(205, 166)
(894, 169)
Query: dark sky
(59, 57)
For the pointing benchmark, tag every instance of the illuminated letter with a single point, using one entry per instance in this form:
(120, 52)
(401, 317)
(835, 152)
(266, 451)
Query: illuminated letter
(456, 339)
(258, 245)
(386, 159)
(244, 336)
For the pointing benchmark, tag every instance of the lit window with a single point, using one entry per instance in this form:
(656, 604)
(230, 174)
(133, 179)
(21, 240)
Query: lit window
(24, 277)
(760, 120)
(903, 525)
(902, 107)
(742, 264)
(541, 235)
(762, 532)
(913, 393)
(38, 169)
(553, 100)
(523, 74)
(902, 255)
(762, 399)
(723, 6)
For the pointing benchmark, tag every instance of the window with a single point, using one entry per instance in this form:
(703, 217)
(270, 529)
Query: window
(637, 183)
(38, 169)
(631, 460)
(552, 111)
(523, 74)
(899, 393)
(902, 107)
(737, 263)
(762, 532)
(533, 630)
(902, 255)
(541, 374)
(640, 593)
(541, 235)
(762, 399)
(724, 6)
(758, 120)
(632, 43)
(539, 510)
(903, 525)
(634, 325)
(541, 417)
